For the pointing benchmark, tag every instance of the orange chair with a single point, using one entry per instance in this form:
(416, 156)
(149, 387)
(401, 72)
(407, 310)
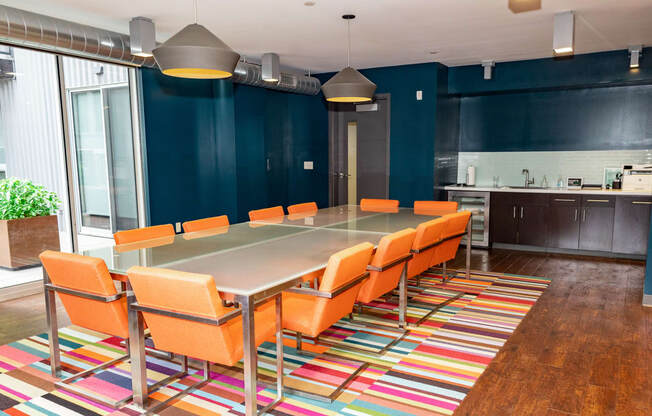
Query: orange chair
(310, 311)
(379, 205)
(456, 228)
(91, 300)
(205, 224)
(185, 316)
(146, 233)
(434, 207)
(266, 213)
(429, 234)
(305, 207)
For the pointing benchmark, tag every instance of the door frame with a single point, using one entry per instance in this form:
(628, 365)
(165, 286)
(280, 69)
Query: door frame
(335, 128)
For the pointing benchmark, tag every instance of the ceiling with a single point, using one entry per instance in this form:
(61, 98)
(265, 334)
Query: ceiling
(385, 33)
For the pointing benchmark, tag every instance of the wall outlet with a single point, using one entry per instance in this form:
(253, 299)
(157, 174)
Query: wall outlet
(419, 95)
(177, 226)
(308, 165)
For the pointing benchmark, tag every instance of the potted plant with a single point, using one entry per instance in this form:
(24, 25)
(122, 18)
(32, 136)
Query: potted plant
(28, 224)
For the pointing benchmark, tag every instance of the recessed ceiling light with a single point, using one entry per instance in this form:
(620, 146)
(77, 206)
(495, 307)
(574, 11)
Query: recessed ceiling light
(310, 3)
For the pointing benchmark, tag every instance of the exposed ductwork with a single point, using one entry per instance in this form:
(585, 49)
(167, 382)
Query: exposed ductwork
(37, 31)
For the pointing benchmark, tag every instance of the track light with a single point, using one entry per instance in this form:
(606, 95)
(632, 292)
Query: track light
(271, 68)
(563, 36)
(635, 53)
(487, 65)
(142, 36)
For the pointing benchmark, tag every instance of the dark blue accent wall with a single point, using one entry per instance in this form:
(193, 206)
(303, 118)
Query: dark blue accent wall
(648, 267)
(207, 143)
(447, 144)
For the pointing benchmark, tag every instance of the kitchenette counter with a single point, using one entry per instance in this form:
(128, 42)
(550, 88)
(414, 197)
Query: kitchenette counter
(534, 190)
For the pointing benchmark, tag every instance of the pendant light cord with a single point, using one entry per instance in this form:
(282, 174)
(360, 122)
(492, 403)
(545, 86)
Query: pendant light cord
(348, 53)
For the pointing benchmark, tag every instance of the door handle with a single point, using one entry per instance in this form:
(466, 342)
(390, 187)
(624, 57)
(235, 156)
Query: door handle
(521, 212)
(564, 200)
(642, 202)
(598, 200)
(575, 215)
(514, 212)
(583, 214)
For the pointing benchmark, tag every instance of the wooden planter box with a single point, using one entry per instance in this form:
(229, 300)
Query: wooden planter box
(22, 240)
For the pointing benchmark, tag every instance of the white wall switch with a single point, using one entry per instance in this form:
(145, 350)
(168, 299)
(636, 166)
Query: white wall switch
(177, 226)
(419, 95)
(307, 165)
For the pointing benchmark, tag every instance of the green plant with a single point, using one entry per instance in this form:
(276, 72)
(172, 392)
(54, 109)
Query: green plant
(23, 199)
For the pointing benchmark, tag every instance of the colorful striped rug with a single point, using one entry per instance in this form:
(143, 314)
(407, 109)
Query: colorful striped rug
(428, 372)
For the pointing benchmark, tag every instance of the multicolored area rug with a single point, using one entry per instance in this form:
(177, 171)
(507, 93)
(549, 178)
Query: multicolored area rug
(428, 372)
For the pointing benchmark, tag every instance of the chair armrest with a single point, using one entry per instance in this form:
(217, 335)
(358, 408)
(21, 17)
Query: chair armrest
(188, 317)
(85, 295)
(390, 264)
(328, 295)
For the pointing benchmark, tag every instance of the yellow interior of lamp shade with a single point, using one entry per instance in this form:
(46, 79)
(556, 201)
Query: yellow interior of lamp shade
(197, 73)
(348, 99)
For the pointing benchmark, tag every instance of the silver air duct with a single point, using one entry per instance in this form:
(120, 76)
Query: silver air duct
(37, 31)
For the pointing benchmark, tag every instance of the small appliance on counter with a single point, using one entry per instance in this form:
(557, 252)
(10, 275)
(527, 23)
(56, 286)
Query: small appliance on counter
(574, 182)
(470, 176)
(637, 178)
(618, 182)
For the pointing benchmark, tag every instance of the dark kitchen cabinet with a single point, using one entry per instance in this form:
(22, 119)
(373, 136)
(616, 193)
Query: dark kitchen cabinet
(503, 220)
(631, 225)
(532, 210)
(563, 221)
(597, 222)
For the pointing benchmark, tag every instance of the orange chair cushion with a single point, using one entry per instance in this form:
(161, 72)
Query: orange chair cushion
(194, 294)
(90, 275)
(434, 207)
(305, 207)
(379, 205)
(391, 247)
(140, 234)
(311, 315)
(447, 250)
(205, 224)
(428, 233)
(266, 213)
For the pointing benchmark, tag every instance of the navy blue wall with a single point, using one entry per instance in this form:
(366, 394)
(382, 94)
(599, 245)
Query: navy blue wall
(648, 267)
(207, 144)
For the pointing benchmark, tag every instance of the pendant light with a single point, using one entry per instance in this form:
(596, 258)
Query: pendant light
(348, 85)
(194, 52)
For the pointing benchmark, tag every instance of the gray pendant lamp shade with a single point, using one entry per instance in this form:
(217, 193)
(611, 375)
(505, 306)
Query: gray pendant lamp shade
(349, 86)
(195, 52)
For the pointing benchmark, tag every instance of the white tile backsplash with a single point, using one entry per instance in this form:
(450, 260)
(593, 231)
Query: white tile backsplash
(588, 164)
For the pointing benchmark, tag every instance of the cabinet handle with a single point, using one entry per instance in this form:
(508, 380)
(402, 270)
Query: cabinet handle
(575, 215)
(584, 215)
(642, 202)
(564, 200)
(597, 200)
(514, 211)
(521, 212)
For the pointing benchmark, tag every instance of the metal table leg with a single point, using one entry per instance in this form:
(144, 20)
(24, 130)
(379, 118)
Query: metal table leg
(469, 238)
(279, 347)
(402, 298)
(250, 355)
(53, 327)
(137, 352)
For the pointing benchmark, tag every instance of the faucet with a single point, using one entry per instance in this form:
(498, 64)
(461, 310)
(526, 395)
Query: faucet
(528, 181)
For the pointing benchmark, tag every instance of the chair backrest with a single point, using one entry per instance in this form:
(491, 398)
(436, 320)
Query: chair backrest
(456, 225)
(380, 205)
(305, 207)
(89, 275)
(266, 213)
(205, 224)
(434, 207)
(428, 233)
(141, 234)
(193, 294)
(391, 248)
(343, 267)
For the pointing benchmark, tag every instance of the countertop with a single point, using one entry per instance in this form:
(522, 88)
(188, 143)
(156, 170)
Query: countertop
(615, 192)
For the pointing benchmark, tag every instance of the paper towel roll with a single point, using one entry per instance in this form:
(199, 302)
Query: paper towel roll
(470, 176)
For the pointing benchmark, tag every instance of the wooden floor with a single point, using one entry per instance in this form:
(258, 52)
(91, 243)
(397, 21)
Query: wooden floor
(584, 349)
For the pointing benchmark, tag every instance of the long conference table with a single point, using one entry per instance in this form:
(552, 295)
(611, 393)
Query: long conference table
(255, 261)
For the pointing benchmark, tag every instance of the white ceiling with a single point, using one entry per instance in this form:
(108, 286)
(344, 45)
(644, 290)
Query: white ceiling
(386, 32)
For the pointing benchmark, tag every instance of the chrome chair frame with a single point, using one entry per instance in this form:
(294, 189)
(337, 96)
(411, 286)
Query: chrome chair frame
(299, 340)
(139, 309)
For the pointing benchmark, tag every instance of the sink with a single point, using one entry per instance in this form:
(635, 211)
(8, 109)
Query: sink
(525, 187)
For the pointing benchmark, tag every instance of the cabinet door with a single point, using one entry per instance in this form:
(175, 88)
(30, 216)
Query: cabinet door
(631, 225)
(503, 218)
(597, 223)
(564, 221)
(532, 226)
